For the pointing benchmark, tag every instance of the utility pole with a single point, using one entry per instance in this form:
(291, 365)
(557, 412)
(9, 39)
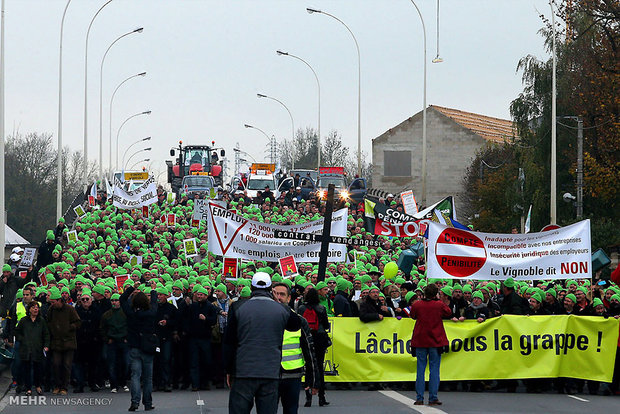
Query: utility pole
(579, 168)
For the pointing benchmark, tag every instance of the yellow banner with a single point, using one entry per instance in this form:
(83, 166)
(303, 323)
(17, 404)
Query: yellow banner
(507, 347)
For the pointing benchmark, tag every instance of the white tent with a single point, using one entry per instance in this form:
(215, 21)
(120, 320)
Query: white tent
(14, 239)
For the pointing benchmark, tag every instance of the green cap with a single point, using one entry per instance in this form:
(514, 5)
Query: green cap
(6, 268)
(321, 285)
(571, 297)
(509, 283)
(537, 296)
(596, 302)
(245, 292)
(115, 296)
(54, 293)
(477, 294)
(408, 296)
(50, 235)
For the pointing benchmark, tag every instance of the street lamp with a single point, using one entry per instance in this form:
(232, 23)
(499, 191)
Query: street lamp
(59, 159)
(246, 153)
(144, 160)
(137, 142)
(121, 127)
(260, 95)
(139, 30)
(280, 53)
(136, 153)
(2, 201)
(271, 141)
(112, 101)
(423, 112)
(86, 94)
(553, 202)
(359, 89)
(437, 58)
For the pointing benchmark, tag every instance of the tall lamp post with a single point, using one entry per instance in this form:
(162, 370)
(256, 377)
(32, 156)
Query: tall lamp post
(139, 30)
(359, 89)
(280, 53)
(86, 94)
(135, 153)
(270, 139)
(260, 95)
(144, 160)
(137, 142)
(110, 132)
(121, 127)
(59, 156)
(2, 202)
(553, 200)
(436, 60)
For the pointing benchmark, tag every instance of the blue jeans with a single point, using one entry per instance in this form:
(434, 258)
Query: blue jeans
(199, 349)
(117, 357)
(16, 371)
(245, 391)
(434, 359)
(141, 366)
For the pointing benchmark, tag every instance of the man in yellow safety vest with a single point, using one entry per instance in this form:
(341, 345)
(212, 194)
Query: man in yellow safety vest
(297, 353)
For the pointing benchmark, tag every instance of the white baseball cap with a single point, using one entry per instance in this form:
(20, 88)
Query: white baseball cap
(15, 257)
(261, 280)
(17, 250)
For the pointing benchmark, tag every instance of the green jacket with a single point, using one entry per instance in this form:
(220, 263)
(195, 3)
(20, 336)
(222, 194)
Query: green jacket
(33, 336)
(329, 306)
(114, 325)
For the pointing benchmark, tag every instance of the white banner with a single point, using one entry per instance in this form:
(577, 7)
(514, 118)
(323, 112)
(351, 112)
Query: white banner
(233, 236)
(563, 253)
(409, 204)
(142, 196)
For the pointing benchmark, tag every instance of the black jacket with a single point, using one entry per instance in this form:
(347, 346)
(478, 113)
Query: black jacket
(139, 321)
(370, 310)
(253, 337)
(342, 307)
(166, 312)
(195, 327)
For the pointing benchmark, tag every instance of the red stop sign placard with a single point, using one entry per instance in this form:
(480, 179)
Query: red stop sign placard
(460, 253)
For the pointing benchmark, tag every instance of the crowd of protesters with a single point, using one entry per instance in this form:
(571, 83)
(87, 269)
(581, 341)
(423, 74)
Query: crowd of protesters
(70, 324)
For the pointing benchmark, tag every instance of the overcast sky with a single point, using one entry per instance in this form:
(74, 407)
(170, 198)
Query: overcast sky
(206, 60)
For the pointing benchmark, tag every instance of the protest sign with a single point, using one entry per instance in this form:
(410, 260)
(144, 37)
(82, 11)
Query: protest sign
(145, 211)
(230, 267)
(171, 198)
(135, 260)
(43, 279)
(190, 247)
(91, 201)
(200, 209)
(409, 204)
(79, 211)
(72, 236)
(172, 219)
(288, 266)
(196, 223)
(120, 280)
(23, 274)
(28, 257)
(562, 253)
(508, 347)
(144, 195)
(232, 235)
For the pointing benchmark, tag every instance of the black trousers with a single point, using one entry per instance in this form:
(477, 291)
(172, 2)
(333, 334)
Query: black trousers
(288, 390)
(245, 391)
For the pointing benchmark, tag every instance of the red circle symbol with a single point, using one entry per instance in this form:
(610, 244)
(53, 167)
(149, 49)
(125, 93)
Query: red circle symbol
(460, 253)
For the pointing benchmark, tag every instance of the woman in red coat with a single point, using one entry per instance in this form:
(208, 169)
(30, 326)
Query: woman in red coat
(428, 338)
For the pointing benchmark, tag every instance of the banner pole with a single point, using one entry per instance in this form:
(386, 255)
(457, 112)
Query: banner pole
(327, 227)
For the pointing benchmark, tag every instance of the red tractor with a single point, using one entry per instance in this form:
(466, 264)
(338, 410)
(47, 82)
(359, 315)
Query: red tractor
(195, 160)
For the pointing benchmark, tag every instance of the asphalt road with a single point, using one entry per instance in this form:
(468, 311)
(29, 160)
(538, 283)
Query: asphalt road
(353, 401)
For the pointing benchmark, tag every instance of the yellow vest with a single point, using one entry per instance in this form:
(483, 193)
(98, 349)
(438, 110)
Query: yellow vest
(20, 312)
(292, 356)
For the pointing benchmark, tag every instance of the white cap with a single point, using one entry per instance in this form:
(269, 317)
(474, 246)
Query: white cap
(17, 250)
(297, 188)
(15, 257)
(261, 280)
(390, 195)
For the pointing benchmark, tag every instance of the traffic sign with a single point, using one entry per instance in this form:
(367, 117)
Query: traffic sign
(460, 253)
(136, 176)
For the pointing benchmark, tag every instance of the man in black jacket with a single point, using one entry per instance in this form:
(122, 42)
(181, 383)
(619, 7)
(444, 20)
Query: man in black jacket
(200, 317)
(165, 329)
(371, 309)
(342, 307)
(45, 250)
(253, 348)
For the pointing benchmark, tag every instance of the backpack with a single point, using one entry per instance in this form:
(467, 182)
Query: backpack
(312, 318)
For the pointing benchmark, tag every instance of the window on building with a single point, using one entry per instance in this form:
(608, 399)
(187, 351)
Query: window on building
(397, 163)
